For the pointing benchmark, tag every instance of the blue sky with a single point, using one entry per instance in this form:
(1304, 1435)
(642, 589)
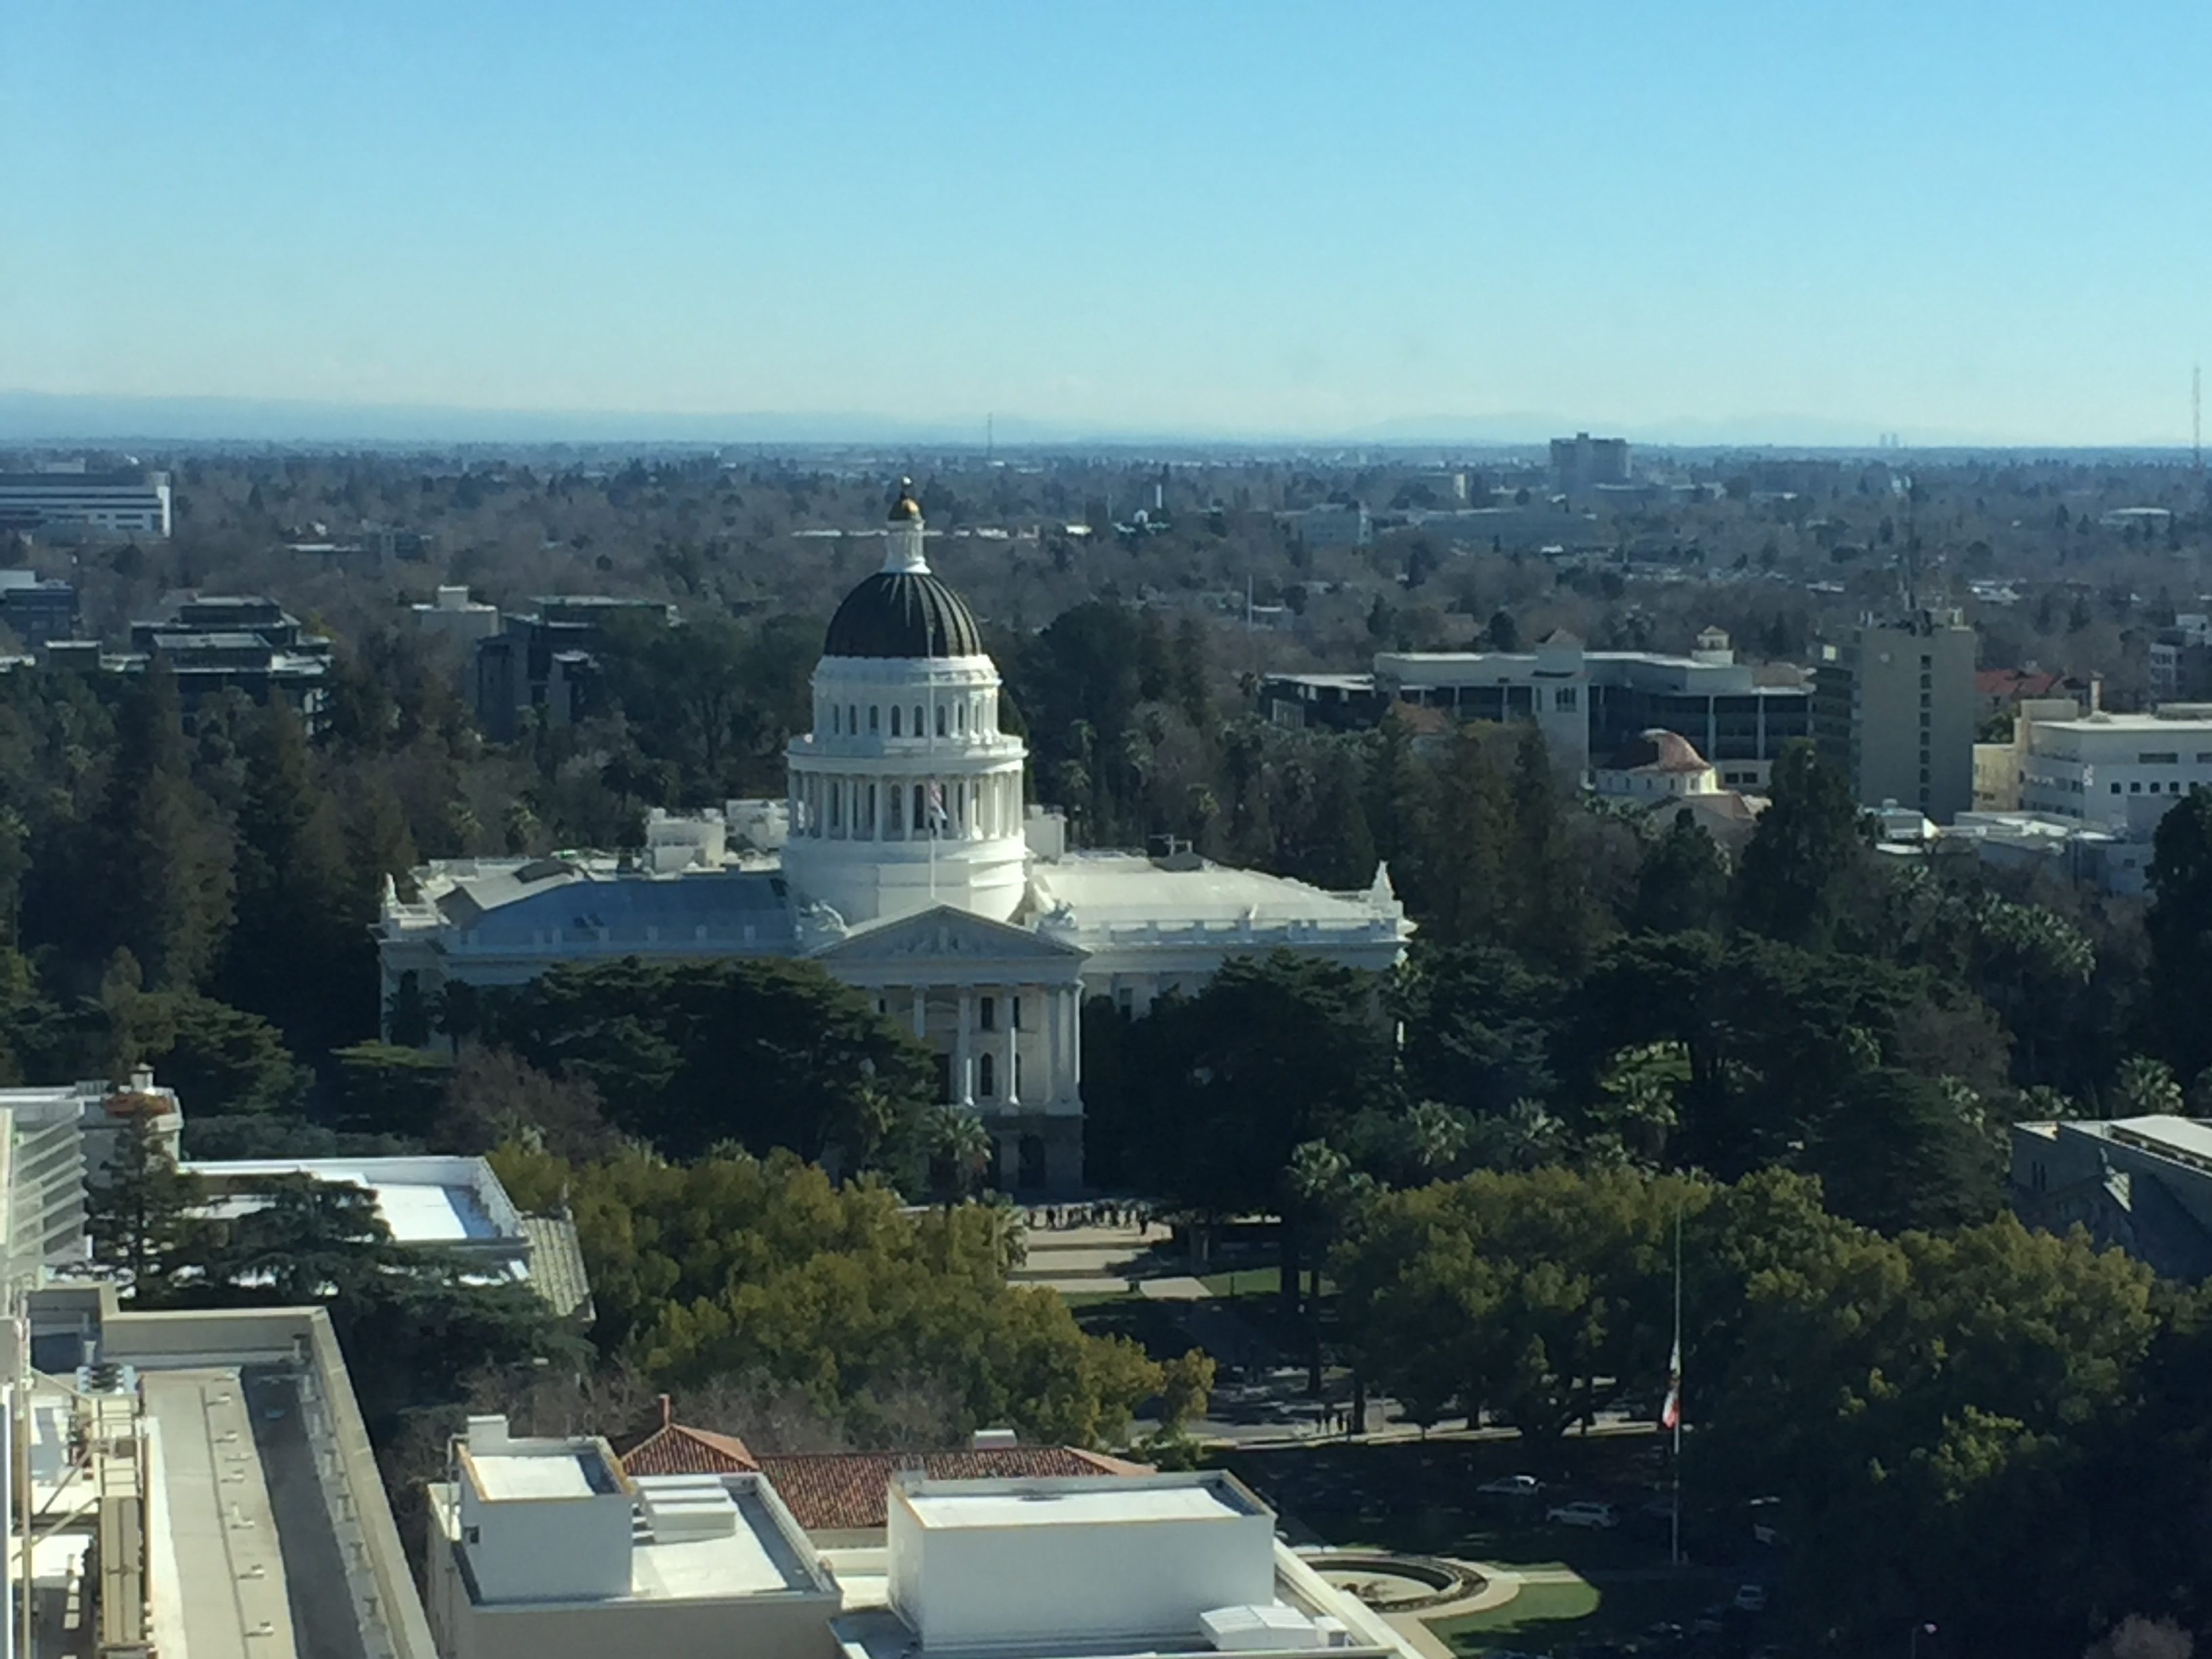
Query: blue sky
(1984, 222)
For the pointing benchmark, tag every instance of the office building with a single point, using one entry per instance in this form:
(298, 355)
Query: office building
(1582, 463)
(251, 645)
(37, 611)
(1334, 524)
(2181, 660)
(1593, 702)
(2118, 773)
(1894, 710)
(546, 1548)
(455, 616)
(541, 663)
(68, 504)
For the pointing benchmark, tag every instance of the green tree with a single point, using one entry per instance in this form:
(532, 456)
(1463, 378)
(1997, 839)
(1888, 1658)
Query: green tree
(304, 1240)
(1458, 879)
(1682, 882)
(300, 951)
(1792, 883)
(1553, 919)
(156, 858)
(2180, 928)
(142, 1213)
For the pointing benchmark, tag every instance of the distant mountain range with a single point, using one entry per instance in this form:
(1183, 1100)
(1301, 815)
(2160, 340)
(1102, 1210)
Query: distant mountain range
(33, 417)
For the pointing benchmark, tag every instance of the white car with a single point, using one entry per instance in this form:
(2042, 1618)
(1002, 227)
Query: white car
(1582, 1514)
(1750, 1598)
(1511, 1485)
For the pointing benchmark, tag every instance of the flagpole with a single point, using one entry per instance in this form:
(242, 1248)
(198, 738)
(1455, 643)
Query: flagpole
(1674, 1542)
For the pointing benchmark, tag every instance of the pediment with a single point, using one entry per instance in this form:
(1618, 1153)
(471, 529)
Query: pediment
(948, 935)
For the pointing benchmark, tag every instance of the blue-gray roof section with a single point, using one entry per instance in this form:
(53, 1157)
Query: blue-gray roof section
(742, 912)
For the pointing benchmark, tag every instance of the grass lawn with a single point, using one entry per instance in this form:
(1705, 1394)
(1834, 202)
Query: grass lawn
(1546, 1616)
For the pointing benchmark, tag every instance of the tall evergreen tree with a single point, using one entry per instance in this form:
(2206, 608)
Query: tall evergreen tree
(1682, 882)
(1552, 918)
(2179, 926)
(1458, 870)
(300, 951)
(158, 857)
(1393, 785)
(139, 1213)
(1795, 873)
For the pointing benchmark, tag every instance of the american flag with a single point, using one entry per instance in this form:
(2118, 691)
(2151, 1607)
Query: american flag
(1670, 1414)
(937, 817)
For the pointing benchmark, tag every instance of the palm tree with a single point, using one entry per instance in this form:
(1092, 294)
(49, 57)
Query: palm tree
(957, 1143)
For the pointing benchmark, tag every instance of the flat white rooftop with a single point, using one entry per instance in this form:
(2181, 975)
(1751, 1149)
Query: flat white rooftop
(424, 1201)
(754, 1560)
(502, 1475)
(1112, 1502)
(2189, 1137)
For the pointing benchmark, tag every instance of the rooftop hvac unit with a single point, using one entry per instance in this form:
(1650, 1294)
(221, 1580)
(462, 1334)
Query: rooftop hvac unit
(1273, 1629)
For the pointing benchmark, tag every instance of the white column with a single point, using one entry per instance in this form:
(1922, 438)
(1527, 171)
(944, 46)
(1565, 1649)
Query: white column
(963, 1078)
(1014, 1047)
(921, 1011)
(1055, 1045)
(1071, 1066)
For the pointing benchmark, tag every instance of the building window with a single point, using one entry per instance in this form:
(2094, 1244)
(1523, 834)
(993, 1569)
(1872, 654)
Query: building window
(834, 728)
(894, 719)
(2134, 788)
(920, 810)
(2116, 788)
(1566, 699)
(987, 1076)
(940, 719)
(919, 730)
(874, 710)
(472, 1535)
(2153, 786)
(852, 720)
(959, 718)
(1014, 1012)
(987, 1013)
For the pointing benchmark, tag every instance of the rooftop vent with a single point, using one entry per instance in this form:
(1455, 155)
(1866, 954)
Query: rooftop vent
(1275, 1629)
(681, 1509)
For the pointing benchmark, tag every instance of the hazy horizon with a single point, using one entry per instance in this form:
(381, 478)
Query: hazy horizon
(1711, 223)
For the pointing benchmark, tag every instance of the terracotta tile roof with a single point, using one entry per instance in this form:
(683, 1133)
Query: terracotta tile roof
(672, 1448)
(844, 1491)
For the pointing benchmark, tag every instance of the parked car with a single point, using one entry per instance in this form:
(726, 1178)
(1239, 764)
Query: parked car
(1511, 1485)
(1750, 1598)
(1582, 1513)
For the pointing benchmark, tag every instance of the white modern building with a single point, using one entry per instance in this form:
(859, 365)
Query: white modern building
(2117, 772)
(76, 501)
(2142, 1183)
(544, 1549)
(909, 867)
(455, 616)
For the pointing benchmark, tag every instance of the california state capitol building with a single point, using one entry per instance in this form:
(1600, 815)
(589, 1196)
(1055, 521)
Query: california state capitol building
(905, 859)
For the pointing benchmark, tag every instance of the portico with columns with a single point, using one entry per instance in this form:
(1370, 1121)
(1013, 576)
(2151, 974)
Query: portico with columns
(1001, 1006)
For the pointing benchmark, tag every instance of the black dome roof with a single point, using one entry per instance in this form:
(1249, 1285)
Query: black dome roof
(902, 613)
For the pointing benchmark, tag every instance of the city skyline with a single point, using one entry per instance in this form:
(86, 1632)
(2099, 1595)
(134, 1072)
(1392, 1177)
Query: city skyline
(1716, 224)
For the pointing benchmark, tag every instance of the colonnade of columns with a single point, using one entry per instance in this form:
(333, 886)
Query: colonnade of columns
(833, 806)
(1000, 1033)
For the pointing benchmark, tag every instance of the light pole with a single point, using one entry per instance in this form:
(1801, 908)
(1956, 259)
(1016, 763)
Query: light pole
(1919, 1631)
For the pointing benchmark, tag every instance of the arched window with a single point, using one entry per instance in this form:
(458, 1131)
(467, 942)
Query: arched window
(921, 810)
(832, 720)
(894, 798)
(940, 719)
(874, 711)
(894, 719)
(987, 1076)
(959, 718)
(918, 729)
(852, 720)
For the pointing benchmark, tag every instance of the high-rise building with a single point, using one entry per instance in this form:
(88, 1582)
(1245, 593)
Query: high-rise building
(1893, 710)
(1582, 463)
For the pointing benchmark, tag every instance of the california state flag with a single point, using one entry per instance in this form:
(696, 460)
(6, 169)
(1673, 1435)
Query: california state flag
(1670, 1414)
